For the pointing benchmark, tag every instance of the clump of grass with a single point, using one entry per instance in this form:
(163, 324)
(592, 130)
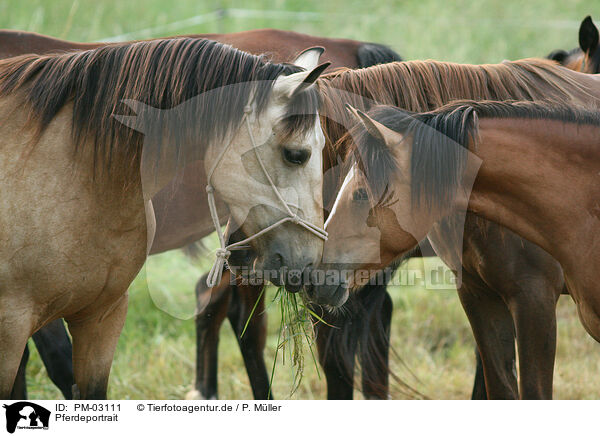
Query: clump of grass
(296, 332)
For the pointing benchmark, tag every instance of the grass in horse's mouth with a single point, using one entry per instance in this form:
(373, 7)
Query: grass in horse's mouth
(295, 329)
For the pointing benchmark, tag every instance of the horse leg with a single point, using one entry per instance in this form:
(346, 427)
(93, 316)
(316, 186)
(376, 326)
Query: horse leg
(19, 390)
(15, 328)
(95, 336)
(252, 343)
(493, 329)
(534, 314)
(375, 350)
(56, 351)
(208, 325)
(337, 350)
(479, 392)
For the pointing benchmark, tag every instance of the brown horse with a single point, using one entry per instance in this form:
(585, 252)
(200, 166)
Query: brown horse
(525, 291)
(586, 57)
(178, 224)
(73, 251)
(281, 45)
(531, 167)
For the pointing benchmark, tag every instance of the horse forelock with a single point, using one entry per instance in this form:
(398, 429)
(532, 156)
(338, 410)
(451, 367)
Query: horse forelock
(161, 75)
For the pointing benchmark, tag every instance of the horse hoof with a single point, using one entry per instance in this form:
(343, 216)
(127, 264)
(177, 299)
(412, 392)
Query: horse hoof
(196, 395)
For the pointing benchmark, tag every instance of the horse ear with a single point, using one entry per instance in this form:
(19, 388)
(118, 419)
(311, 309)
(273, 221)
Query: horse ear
(558, 55)
(588, 35)
(309, 58)
(380, 132)
(289, 86)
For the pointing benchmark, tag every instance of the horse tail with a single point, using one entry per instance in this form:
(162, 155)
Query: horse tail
(370, 54)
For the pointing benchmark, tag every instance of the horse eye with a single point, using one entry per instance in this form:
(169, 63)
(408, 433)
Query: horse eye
(296, 156)
(360, 195)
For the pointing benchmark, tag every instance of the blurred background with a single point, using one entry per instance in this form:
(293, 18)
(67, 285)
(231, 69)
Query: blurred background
(156, 353)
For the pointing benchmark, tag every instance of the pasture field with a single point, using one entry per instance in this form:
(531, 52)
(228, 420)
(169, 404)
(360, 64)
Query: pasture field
(430, 333)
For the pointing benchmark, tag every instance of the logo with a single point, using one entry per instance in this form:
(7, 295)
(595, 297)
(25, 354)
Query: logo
(26, 415)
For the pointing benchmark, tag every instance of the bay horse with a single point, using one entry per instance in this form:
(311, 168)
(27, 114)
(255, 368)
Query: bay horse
(528, 166)
(586, 57)
(178, 224)
(281, 45)
(514, 283)
(87, 237)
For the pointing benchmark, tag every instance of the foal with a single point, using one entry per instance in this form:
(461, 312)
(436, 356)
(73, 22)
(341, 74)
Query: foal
(531, 167)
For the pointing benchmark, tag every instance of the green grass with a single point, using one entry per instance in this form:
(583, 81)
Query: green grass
(155, 356)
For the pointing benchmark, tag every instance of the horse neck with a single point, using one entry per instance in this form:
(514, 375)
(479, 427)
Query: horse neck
(532, 184)
(418, 91)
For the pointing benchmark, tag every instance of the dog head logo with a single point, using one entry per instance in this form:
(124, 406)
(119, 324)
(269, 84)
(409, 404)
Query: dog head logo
(26, 415)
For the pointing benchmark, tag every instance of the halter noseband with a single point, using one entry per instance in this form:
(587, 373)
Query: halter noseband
(224, 251)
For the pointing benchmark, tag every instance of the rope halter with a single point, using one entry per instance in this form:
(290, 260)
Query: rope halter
(224, 251)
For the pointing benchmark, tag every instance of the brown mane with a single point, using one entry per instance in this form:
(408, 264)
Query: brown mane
(161, 74)
(420, 86)
(439, 140)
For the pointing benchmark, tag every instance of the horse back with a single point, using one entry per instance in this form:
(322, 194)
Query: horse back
(16, 43)
(280, 45)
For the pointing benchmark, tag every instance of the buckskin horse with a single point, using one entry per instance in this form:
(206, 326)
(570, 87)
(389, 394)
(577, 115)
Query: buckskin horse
(528, 166)
(52, 340)
(72, 252)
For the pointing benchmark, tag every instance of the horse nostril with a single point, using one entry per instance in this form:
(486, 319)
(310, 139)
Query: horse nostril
(296, 156)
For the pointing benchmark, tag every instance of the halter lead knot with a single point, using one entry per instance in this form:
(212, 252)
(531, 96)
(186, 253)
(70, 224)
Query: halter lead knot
(216, 272)
(222, 253)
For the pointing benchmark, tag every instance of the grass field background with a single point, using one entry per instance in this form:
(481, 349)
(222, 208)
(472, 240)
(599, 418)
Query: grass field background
(155, 356)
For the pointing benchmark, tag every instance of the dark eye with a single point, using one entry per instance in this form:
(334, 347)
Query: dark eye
(296, 156)
(360, 195)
